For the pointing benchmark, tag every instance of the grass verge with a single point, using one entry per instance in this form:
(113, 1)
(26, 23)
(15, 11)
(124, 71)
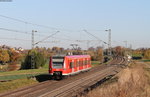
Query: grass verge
(21, 74)
(15, 84)
(130, 82)
(95, 63)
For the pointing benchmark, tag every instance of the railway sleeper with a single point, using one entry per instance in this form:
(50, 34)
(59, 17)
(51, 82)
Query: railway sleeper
(86, 88)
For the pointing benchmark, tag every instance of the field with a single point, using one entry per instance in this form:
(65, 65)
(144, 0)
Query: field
(131, 82)
(11, 75)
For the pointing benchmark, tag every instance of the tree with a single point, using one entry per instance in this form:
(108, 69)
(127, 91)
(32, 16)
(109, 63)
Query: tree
(119, 51)
(4, 56)
(147, 54)
(99, 56)
(14, 56)
(56, 49)
(96, 53)
(39, 60)
(91, 49)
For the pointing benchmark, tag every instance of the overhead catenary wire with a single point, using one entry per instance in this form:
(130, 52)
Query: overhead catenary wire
(14, 39)
(18, 20)
(23, 32)
(47, 37)
(44, 26)
(62, 38)
(12, 30)
(95, 36)
(25, 22)
(17, 31)
(34, 24)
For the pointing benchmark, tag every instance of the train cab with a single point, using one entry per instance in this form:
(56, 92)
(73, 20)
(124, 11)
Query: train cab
(56, 65)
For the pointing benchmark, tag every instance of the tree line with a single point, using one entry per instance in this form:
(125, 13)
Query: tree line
(12, 56)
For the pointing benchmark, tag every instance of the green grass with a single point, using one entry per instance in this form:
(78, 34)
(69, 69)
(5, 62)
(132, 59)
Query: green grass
(46, 65)
(95, 63)
(29, 71)
(20, 74)
(145, 60)
(14, 77)
(137, 55)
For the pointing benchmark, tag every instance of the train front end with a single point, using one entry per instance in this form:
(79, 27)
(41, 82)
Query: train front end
(56, 66)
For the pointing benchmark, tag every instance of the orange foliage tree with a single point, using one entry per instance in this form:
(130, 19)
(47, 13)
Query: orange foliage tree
(14, 56)
(4, 56)
(147, 54)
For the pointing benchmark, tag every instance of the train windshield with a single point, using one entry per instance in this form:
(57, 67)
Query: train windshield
(58, 62)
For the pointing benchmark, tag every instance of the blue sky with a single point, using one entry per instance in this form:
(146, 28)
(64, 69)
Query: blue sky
(128, 19)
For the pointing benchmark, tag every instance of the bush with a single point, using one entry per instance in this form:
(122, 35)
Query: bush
(39, 60)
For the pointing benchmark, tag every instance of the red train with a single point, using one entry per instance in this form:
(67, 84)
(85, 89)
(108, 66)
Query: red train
(68, 65)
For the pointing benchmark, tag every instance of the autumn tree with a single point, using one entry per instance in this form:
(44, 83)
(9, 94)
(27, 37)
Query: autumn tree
(96, 53)
(119, 51)
(147, 54)
(15, 56)
(4, 56)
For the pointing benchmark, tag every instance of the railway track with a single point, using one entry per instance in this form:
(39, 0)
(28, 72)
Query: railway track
(78, 84)
(72, 86)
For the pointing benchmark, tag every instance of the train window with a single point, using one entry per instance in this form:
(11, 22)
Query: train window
(71, 65)
(57, 62)
(80, 63)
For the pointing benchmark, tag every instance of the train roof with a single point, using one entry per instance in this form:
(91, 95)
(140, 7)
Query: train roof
(71, 56)
(77, 56)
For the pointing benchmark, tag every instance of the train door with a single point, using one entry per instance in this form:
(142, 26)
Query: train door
(73, 66)
(78, 67)
(70, 66)
(80, 64)
(87, 63)
(83, 63)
